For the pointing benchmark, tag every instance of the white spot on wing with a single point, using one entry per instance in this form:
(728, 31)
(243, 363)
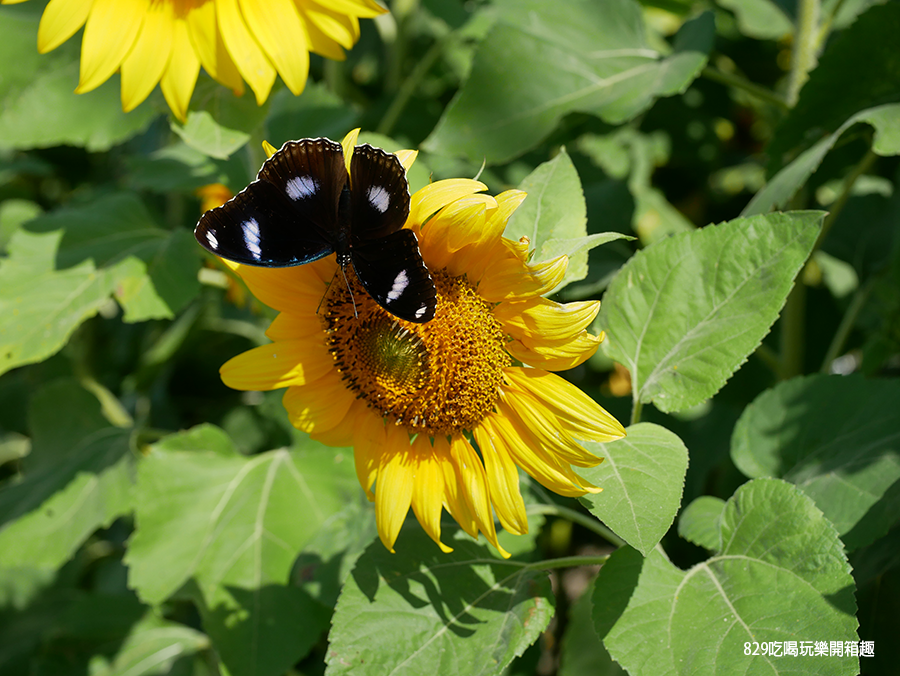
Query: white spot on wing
(379, 198)
(250, 229)
(211, 238)
(401, 281)
(301, 187)
(421, 311)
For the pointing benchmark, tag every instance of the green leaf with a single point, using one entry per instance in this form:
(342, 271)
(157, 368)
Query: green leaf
(40, 306)
(219, 123)
(174, 168)
(421, 611)
(683, 314)
(154, 270)
(761, 19)
(838, 439)
(13, 213)
(782, 576)
(642, 477)
(539, 64)
(234, 525)
(785, 184)
(77, 478)
(699, 522)
(582, 652)
(553, 217)
(152, 646)
(860, 69)
(38, 106)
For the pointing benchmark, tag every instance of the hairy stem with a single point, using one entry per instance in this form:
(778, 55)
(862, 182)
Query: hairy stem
(806, 47)
(738, 82)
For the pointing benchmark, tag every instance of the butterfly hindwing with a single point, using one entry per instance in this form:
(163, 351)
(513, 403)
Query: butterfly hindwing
(259, 226)
(379, 193)
(392, 272)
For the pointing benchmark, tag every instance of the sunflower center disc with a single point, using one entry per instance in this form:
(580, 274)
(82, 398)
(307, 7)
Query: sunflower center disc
(438, 378)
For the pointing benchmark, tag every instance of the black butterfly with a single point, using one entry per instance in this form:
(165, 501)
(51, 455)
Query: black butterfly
(303, 206)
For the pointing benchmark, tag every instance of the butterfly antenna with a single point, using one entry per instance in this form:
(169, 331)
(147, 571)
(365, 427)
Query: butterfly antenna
(331, 286)
(350, 290)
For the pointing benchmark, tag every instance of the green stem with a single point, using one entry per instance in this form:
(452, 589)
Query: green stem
(793, 331)
(636, 409)
(806, 45)
(577, 517)
(409, 85)
(838, 205)
(847, 322)
(567, 562)
(738, 82)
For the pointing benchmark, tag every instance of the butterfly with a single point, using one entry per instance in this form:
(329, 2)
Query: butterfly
(304, 205)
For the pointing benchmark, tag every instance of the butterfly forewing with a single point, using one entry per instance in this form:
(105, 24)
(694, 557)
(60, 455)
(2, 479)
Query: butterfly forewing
(260, 226)
(393, 273)
(379, 193)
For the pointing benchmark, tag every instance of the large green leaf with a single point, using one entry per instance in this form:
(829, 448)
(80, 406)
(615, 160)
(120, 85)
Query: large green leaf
(234, 525)
(642, 477)
(38, 106)
(155, 270)
(838, 439)
(40, 306)
(539, 64)
(784, 185)
(780, 576)
(859, 70)
(683, 314)
(553, 217)
(77, 478)
(425, 612)
(582, 653)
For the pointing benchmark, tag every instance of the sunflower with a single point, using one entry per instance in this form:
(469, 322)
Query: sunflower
(415, 400)
(166, 42)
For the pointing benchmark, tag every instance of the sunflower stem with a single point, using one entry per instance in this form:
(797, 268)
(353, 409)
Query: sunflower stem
(577, 517)
(636, 408)
(847, 322)
(738, 82)
(806, 46)
(567, 562)
(409, 85)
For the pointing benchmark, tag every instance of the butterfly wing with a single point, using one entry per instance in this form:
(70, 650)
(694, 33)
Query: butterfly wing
(288, 216)
(392, 272)
(379, 193)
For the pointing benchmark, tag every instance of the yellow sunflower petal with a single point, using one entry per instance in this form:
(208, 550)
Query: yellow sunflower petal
(543, 319)
(178, 81)
(525, 411)
(582, 417)
(454, 500)
(320, 406)
(325, 33)
(60, 21)
(269, 367)
(502, 476)
(343, 433)
(453, 227)
(510, 279)
(291, 326)
(147, 60)
(528, 453)
(437, 195)
(348, 144)
(203, 27)
(428, 490)
(279, 30)
(249, 58)
(364, 9)
(269, 148)
(284, 289)
(555, 355)
(369, 440)
(407, 157)
(109, 33)
(393, 494)
(474, 488)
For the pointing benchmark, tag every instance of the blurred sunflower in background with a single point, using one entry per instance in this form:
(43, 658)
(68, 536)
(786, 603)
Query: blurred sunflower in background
(167, 41)
(411, 398)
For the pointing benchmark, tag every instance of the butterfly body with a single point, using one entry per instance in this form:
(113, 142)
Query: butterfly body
(304, 205)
